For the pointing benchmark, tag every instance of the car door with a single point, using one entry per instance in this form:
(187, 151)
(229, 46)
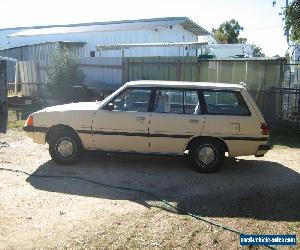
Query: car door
(228, 114)
(229, 118)
(122, 125)
(176, 117)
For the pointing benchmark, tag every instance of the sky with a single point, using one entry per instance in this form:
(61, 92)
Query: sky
(261, 21)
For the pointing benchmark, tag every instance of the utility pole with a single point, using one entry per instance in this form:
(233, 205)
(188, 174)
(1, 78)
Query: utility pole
(287, 33)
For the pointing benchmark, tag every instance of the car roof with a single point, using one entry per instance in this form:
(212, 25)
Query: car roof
(183, 84)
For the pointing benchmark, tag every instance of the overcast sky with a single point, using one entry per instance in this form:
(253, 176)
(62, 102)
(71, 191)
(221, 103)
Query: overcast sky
(261, 21)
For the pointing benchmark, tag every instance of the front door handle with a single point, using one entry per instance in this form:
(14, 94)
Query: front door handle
(140, 118)
(194, 121)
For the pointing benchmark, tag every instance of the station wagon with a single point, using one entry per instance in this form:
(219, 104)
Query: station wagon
(203, 120)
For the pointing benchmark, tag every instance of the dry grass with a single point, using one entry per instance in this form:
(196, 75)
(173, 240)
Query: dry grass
(15, 121)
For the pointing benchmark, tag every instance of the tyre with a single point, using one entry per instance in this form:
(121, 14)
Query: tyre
(65, 147)
(207, 156)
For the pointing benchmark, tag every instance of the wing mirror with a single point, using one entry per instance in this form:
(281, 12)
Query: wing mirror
(110, 106)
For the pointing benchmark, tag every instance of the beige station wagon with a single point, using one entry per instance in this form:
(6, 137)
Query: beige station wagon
(201, 119)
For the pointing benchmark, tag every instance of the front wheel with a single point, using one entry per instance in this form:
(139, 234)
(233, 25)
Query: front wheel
(65, 147)
(207, 156)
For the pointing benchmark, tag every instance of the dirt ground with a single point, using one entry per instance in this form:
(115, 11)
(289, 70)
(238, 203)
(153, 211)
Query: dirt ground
(251, 195)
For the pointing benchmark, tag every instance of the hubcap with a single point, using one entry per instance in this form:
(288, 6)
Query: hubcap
(65, 148)
(206, 155)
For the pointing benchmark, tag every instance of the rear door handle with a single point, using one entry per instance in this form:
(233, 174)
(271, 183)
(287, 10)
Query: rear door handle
(194, 121)
(140, 118)
(234, 127)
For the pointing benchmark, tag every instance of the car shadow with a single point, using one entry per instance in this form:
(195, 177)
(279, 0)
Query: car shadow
(257, 189)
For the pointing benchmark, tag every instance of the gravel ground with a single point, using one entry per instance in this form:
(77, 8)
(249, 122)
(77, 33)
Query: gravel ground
(251, 195)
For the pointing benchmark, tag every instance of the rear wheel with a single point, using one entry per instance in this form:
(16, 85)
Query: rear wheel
(207, 156)
(65, 147)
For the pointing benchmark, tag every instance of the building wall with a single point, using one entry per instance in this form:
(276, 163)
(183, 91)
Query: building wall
(160, 35)
(40, 52)
(3, 36)
(35, 53)
(229, 50)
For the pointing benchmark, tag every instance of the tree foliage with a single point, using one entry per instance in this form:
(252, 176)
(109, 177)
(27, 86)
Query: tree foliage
(292, 20)
(257, 51)
(63, 73)
(228, 32)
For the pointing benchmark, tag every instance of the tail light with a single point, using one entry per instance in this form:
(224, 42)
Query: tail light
(29, 121)
(264, 129)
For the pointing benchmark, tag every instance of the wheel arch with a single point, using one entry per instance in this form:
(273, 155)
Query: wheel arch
(203, 138)
(59, 127)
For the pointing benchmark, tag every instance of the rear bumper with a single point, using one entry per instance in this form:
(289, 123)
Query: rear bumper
(262, 150)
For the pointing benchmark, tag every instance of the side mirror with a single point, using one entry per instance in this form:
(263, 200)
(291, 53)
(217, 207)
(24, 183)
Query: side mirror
(110, 106)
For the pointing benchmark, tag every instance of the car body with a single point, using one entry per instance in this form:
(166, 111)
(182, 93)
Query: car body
(202, 119)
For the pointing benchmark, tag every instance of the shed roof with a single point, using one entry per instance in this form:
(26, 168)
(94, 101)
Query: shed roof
(264, 58)
(4, 58)
(141, 45)
(185, 22)
(80, 44)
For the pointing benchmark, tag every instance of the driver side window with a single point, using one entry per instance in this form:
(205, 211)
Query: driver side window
(132, 100)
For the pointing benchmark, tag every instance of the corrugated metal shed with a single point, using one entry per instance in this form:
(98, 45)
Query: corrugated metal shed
(185, 22)
(229, 50)
(161, 49)
(147, 45)
(38, 52)
(10, 68)
(156, 30)
(42, 51)
(252, 59)
(4, 58)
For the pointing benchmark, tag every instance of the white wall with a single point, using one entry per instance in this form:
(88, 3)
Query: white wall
(3, 37)
(161, 35)
(229, 50)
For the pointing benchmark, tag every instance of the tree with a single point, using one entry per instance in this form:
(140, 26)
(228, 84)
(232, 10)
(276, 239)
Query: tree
(63, 73)
(292, 20)
(257, 51)
(228, 32)
(242, 40)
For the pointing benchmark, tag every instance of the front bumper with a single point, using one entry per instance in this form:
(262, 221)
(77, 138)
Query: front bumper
(28, 128)
(38, 134)
(262, 150)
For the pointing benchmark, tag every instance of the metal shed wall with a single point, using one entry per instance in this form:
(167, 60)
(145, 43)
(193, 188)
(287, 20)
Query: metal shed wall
(228, 50)
(163, 34)
(106, 70)
(3, 36)
(38, 52)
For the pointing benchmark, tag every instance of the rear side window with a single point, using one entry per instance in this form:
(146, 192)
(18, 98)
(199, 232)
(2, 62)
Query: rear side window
(225, 103)
(177, 101)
